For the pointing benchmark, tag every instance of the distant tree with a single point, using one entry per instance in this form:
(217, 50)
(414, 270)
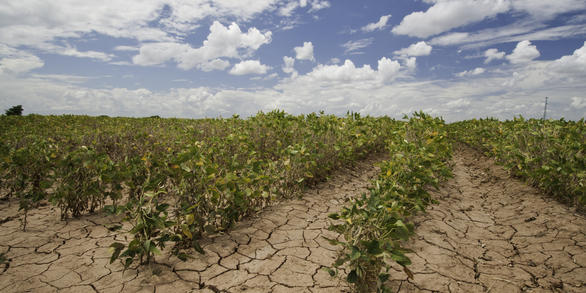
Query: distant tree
(14, 111)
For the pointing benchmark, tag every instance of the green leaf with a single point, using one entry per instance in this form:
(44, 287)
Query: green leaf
(355, 253)
(330, 271)
(383, 277)
(352, 277)
(114, 228)
(332, 241)
(182, 256)
(117, 248)
(128, 262)
(400, 258)
(197, 247)
(373, 247)
(162, 207)
(153, 249)
(334, 216)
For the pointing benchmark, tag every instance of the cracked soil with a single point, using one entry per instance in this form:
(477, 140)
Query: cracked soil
(488, 233)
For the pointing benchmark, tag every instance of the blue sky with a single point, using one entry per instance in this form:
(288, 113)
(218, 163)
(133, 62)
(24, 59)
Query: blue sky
(459, 59)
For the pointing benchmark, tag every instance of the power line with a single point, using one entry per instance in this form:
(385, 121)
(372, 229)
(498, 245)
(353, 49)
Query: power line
(545, 109)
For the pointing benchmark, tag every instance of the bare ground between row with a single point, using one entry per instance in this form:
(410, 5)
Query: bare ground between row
(281, 249)
(488, 233)
(494, 233)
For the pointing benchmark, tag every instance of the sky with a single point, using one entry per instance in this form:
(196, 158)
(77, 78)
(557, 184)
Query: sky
(458, 59)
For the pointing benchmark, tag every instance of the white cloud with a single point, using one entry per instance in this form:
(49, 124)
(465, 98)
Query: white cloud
(13, 61)
(578, 102)
(289, 7)
(417, 49)
(221, 42)
(157, 53)
(216, 64)
(458, 103)
(287, 10)
(318, 5)
(64, 78)
(493, 54)
(20, 64)
(388, 69)
(475, 71)
(249, 67)
(450, 39)
(572, 64)
(353, 47)
(126, 48)
(304, 52)
(381, 24)
(348, 72)
(547, 9)
(71, 51)
(44, 24)
(411, 63)
(516, 32)
(445, 15)
(335, 60)
(338, 89)
(524, 52)
(289, 65)
(342, 73)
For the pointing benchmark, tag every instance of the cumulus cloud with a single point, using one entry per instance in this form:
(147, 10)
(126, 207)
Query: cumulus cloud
(229, 42)
(354, 47)
(216, 64)
(493, 54)
(289, 65)
(417, 49)
(445, 15)
(334, 89)
(43, 25)
(524, 52)
(475, 71)
(13, 61)
(379, 25)
(387, 71)
(304, 52)
(572, 64)
(249, 67)
(411, 63)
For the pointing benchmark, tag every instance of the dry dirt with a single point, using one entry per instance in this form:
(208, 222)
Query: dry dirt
(489, 233)
(279, 250)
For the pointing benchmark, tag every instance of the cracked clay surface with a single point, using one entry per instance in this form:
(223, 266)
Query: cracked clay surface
(488, 233)
(492, 233)
(279, 250)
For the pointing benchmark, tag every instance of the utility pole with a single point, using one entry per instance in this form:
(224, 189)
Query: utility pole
(545, 109)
